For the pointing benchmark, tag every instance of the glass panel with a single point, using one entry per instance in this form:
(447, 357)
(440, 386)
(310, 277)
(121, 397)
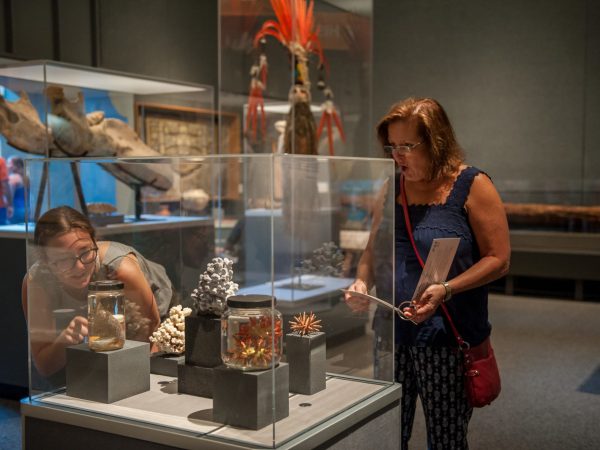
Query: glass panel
(300, 246)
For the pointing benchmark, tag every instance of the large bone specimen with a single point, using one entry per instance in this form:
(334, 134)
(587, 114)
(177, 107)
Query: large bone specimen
(78, 134)
(69, 124)
(72, 133)
(21, 126)
(116, 135)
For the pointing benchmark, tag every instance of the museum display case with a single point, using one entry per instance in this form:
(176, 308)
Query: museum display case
(294, 246)
(51, 109)
(301, 68)
(58, 110)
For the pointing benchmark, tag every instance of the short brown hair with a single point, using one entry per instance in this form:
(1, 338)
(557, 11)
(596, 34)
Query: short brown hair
(57, 221)
(433, 127)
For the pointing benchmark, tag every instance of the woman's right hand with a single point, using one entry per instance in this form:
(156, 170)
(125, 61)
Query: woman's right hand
(357, 304)
(75, 331)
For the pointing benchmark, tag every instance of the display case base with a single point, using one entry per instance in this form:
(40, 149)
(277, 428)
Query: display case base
(108, 376)
(195, 380)
(165, 363)
(245, 399)
(203, 341)
(306, 357)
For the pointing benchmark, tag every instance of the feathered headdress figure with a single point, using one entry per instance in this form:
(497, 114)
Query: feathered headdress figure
(296, 30)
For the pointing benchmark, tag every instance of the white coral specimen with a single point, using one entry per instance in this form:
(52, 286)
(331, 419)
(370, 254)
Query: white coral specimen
(170, 336)
(214, 286)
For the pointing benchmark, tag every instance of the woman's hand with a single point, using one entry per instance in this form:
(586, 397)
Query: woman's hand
(357, 304)
(75, 331)
(425, 306)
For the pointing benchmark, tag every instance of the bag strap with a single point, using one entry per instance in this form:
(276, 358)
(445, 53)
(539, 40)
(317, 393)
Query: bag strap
(461, 342)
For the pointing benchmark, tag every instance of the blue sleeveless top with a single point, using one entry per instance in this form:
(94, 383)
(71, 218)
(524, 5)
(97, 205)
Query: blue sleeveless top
(469, 309)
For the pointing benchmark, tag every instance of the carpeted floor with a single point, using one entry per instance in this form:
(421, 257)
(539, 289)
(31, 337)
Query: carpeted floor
(549, 356)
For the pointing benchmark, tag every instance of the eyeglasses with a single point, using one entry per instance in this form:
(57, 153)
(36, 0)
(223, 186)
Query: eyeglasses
(400, 149)
(66, 264)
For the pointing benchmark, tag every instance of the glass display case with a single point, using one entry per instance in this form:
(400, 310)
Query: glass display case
(59, 110)
(56, 110)
(296, 244)
(301, 69)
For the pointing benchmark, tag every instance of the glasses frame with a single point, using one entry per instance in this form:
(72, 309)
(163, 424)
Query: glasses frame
(400, 149)
(74, 260)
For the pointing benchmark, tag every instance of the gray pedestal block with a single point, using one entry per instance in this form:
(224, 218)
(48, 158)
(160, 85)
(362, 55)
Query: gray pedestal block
(306, 357)
(203, 341)
(245, 399)
(195, 380)
(165, 363)
(108, 376)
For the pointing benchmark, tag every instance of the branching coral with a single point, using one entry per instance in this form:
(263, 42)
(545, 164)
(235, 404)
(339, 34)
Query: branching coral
(170, 336)
(214, 286)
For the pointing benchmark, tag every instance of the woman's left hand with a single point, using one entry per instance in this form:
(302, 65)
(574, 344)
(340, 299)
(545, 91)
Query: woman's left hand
(425, 306)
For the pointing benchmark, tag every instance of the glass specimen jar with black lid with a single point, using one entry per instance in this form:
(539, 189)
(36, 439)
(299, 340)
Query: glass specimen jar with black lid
(251, 333)
(106, 315)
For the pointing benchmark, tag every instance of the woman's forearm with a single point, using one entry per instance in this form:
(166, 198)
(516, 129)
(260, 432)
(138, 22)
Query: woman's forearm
(486, 270)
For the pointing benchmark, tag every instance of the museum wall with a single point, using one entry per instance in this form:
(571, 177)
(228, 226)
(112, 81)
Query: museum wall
(519, 79)
(174, 39)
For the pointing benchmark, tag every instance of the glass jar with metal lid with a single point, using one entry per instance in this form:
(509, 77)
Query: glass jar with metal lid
(106, 315)
(251, 333)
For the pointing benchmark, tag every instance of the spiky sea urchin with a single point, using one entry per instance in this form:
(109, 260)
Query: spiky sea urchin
(305, 324)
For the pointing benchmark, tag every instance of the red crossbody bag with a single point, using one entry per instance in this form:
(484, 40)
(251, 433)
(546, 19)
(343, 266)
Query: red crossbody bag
(482, 378)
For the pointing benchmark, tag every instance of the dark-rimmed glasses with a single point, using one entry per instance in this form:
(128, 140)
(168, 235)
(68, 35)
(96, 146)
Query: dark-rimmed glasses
(66, 264)
(400, 149)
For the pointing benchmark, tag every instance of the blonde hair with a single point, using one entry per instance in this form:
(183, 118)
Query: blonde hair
(434, 129)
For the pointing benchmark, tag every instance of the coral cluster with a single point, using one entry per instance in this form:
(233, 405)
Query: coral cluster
(305, 324)
(170, 336)
(214, 286)
(327, 261)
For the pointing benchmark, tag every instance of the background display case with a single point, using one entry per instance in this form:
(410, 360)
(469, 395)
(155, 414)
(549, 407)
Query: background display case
(342, 31)
(305, 211)
(58, 110)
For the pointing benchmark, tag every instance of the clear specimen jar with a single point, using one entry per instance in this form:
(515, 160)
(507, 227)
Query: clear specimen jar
(106, 315)
(251, 333)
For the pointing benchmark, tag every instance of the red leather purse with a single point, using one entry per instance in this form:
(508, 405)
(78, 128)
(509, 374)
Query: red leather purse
(482, 377)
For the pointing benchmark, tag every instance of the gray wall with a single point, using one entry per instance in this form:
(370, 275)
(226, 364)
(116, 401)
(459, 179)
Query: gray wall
(174, 39)
(519, 79)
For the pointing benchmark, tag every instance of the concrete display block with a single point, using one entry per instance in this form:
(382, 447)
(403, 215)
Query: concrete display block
(307, 359)
(108, 376)
(195, 380)
(203, 341)
(245, 399)
(165, 363)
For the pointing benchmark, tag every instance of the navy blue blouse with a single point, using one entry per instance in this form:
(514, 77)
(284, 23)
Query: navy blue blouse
(469, 309)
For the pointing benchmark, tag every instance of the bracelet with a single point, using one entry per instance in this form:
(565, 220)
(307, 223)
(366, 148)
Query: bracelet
(448, 289)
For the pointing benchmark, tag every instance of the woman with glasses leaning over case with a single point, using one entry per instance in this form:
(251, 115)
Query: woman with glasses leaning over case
(444, 198)
(69, 258)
